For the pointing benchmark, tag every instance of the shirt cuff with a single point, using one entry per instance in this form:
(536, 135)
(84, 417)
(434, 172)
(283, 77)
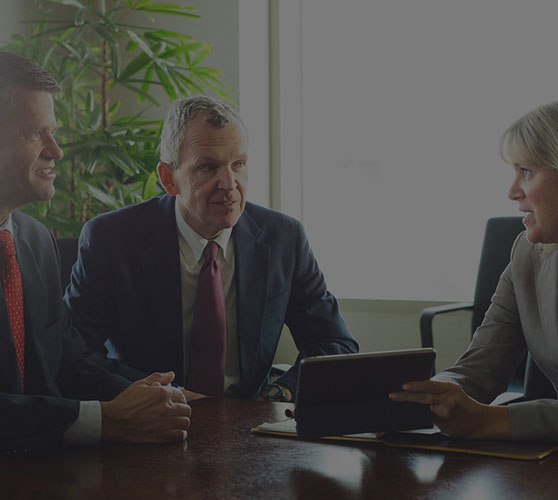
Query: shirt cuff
(86, 430)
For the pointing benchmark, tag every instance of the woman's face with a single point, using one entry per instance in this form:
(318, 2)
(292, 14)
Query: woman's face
(536, 191)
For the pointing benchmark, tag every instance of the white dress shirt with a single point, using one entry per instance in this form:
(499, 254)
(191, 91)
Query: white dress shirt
(191, 246)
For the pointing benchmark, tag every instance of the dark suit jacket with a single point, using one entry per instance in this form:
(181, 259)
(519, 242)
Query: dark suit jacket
(126, 287)
(56, 358)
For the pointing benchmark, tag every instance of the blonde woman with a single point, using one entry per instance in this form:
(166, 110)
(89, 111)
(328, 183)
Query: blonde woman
(523, 315)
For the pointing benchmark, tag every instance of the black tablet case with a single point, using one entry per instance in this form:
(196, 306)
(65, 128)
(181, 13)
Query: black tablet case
(348, 394)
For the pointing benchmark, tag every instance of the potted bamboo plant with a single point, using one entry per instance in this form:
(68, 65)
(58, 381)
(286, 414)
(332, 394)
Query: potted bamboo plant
(96, 49)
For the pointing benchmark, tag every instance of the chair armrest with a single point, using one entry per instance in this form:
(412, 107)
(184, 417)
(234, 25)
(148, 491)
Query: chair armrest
(277, 370)
(427, 316)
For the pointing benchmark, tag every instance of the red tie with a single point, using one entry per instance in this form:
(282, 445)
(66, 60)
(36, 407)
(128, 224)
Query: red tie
(13, 292)
(206, 371)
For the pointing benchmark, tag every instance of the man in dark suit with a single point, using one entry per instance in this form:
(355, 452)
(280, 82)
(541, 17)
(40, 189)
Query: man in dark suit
(49, 387)
(136, 279)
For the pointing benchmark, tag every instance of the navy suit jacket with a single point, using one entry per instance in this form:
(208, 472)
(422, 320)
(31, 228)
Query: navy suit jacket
(126, 287)
(56, 358)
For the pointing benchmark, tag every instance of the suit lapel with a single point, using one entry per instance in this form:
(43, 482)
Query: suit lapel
(251, 275)
(160, 265)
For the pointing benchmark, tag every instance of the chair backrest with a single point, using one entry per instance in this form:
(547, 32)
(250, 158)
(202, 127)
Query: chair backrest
(499, 235)
(536, 385)
(68, 254)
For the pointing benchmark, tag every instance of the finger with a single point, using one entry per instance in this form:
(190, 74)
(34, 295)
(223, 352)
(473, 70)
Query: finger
(410, 397)
(181, 423)
(170, 436)
(166, 378)
(418, 397)
(176, 395)
(181, 409)
(428, 386)
(173, 424)
(157, 378)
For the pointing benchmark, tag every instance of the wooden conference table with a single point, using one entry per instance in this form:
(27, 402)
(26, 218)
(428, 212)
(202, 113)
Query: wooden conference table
(222, 459)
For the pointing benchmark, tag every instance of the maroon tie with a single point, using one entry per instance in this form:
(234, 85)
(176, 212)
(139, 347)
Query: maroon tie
(206, 371)
(13, 292)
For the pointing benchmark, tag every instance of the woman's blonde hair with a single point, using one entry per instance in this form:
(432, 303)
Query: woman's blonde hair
(533, 139)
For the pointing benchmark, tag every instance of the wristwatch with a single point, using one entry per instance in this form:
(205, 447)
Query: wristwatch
(274, 392)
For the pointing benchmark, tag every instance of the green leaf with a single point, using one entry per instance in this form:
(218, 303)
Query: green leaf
(175, 52)
(170, 9)
(143, 46)
(102, 196)
(149, 186)
(167, 35)
(71, 50)
(140, 92)
(114, 108)
(108, 168)
(202, 55)
(125, 163)
(89, 101)
(94, 121)
(44, 33)
(142, 3)
(137, 64)
(168, 84)
(43, 209)
(145, 86)
(104, 33)
(194, 46)
(132, 46)
(115, 59)
(71, 3)
(80, 17)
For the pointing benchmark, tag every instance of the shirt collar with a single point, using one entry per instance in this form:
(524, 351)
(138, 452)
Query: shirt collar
(8, 225)
(196, 242)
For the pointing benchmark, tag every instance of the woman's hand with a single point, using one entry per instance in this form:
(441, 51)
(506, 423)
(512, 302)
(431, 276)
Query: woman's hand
(456, 413)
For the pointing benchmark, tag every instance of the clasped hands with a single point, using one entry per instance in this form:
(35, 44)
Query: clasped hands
(149, 411)
(455, 412)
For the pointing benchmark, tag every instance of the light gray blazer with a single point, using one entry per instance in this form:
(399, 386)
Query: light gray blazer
(523, 315)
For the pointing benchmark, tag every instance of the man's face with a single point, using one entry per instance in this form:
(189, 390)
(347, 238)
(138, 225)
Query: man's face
(210, 183)
(28, 150)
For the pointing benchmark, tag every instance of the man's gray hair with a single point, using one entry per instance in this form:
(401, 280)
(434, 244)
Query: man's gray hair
(19, 72)
(216, 112)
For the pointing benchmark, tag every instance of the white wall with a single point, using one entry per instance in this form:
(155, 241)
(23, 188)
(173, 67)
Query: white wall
(380, 325)
(13, 12)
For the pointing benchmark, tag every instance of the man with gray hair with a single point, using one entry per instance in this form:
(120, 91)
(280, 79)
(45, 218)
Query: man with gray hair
(199, 280)
(50, 390)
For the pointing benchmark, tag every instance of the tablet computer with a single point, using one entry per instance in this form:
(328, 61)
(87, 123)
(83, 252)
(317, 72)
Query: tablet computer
(348, 393)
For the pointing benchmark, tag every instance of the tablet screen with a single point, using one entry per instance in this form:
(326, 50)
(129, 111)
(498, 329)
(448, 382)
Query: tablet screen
(352, 378)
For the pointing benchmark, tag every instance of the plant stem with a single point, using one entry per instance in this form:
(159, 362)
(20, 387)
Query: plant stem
(72, 187)
(104, 85)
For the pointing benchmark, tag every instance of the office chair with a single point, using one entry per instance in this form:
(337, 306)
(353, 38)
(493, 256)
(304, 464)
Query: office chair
(499, 235)
(68, 255)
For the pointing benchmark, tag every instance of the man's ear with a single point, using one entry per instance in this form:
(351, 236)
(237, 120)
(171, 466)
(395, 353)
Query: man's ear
(165, 176)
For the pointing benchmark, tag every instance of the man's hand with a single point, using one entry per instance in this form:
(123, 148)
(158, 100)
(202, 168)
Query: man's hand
(149, 411)
(456, 413)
